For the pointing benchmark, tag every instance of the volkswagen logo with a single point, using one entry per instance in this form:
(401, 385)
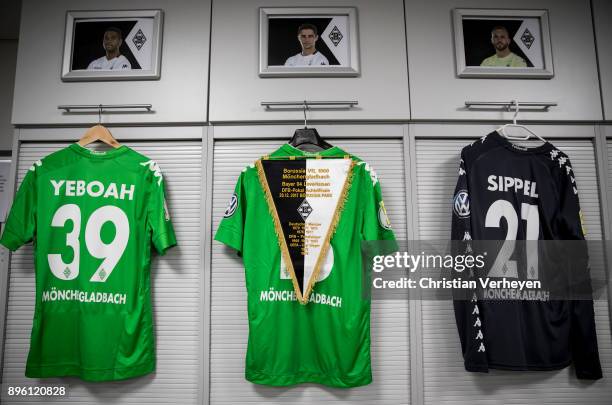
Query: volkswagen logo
(461, 204)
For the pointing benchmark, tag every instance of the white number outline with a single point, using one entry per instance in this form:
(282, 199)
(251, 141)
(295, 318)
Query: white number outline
(529, 212)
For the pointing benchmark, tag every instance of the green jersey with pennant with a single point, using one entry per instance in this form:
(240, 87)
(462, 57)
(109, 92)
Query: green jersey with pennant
(93, 217)
(298, 220)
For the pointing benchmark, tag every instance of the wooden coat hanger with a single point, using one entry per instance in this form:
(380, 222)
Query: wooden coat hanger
(98, 133)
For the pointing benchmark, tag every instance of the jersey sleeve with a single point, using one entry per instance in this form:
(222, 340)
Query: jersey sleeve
(158, 219)
(461, 226)
(231, 228)
(376, 223)
(20, 225)
(467, 311)
(583, 335)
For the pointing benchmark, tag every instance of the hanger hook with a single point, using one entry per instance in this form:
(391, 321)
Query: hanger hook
(99, 114)
(516, 111)
(305, 108)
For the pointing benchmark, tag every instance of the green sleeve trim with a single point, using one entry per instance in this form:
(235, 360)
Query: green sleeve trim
(229, 237)
(11, 241)
(164, 242)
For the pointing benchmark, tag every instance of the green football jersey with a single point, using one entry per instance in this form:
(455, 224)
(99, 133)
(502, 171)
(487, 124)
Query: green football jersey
(306, 325)
(92, 217)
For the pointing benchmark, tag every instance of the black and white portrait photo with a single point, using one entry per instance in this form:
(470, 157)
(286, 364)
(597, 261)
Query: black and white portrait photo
(307, 42)
(112, 45)
(502, 43)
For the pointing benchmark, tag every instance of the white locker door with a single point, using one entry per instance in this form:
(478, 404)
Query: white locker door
(445, 379)
(609, 154)
(175, 294)
(229, 324)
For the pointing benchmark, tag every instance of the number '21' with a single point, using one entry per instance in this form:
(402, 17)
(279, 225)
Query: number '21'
(529, 212)
(111, 252)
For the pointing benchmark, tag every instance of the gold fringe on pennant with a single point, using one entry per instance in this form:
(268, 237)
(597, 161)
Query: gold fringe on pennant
(280, 235)
(331, 231)
(303, 299)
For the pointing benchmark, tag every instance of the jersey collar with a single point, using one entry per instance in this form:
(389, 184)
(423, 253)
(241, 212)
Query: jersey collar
(503, 141)
(290, 150)
(109, 154)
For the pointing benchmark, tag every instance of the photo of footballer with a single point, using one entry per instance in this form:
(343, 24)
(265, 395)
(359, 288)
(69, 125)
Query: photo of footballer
(113, 59)
(308, 42)
(499, 43)
(297, 41)
(308, 35)
(112, 45)
(502, 43)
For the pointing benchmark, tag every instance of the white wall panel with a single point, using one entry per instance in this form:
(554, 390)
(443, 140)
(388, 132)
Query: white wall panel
(229, 324)
(8, 50)
(607, 130)
(437, 93)
(178, 96)
(445, 379)
(236, 90)
(602, 14)
(176, 294)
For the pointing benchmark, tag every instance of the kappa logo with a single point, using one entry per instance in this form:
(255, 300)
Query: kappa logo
(154, 167)
(231, 207)
(33, 167)
(461, 204)
(370, 170)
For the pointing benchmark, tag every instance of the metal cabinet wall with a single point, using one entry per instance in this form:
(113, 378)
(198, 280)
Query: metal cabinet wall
(438, 94)
(236, 90)
(179, 96)
(602, 13)
(8, 48)
(199, 291)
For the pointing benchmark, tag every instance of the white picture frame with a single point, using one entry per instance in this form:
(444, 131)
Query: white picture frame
(142, 45)
(530, 43)
(337, 36)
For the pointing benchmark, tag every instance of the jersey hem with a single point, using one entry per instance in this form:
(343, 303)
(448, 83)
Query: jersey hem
(258, 377)
(95, 375)
(528, 367)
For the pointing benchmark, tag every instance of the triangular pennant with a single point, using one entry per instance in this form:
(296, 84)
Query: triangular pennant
(305, 198)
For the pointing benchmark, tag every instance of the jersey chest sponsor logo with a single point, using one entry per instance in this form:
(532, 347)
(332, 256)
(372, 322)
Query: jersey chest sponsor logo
(461, 204)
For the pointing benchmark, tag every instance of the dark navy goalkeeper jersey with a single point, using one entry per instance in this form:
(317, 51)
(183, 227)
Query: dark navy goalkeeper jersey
(508, 192)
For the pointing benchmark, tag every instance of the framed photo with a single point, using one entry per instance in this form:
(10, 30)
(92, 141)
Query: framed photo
(307, 42)
(502, 43)
(112, 45)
